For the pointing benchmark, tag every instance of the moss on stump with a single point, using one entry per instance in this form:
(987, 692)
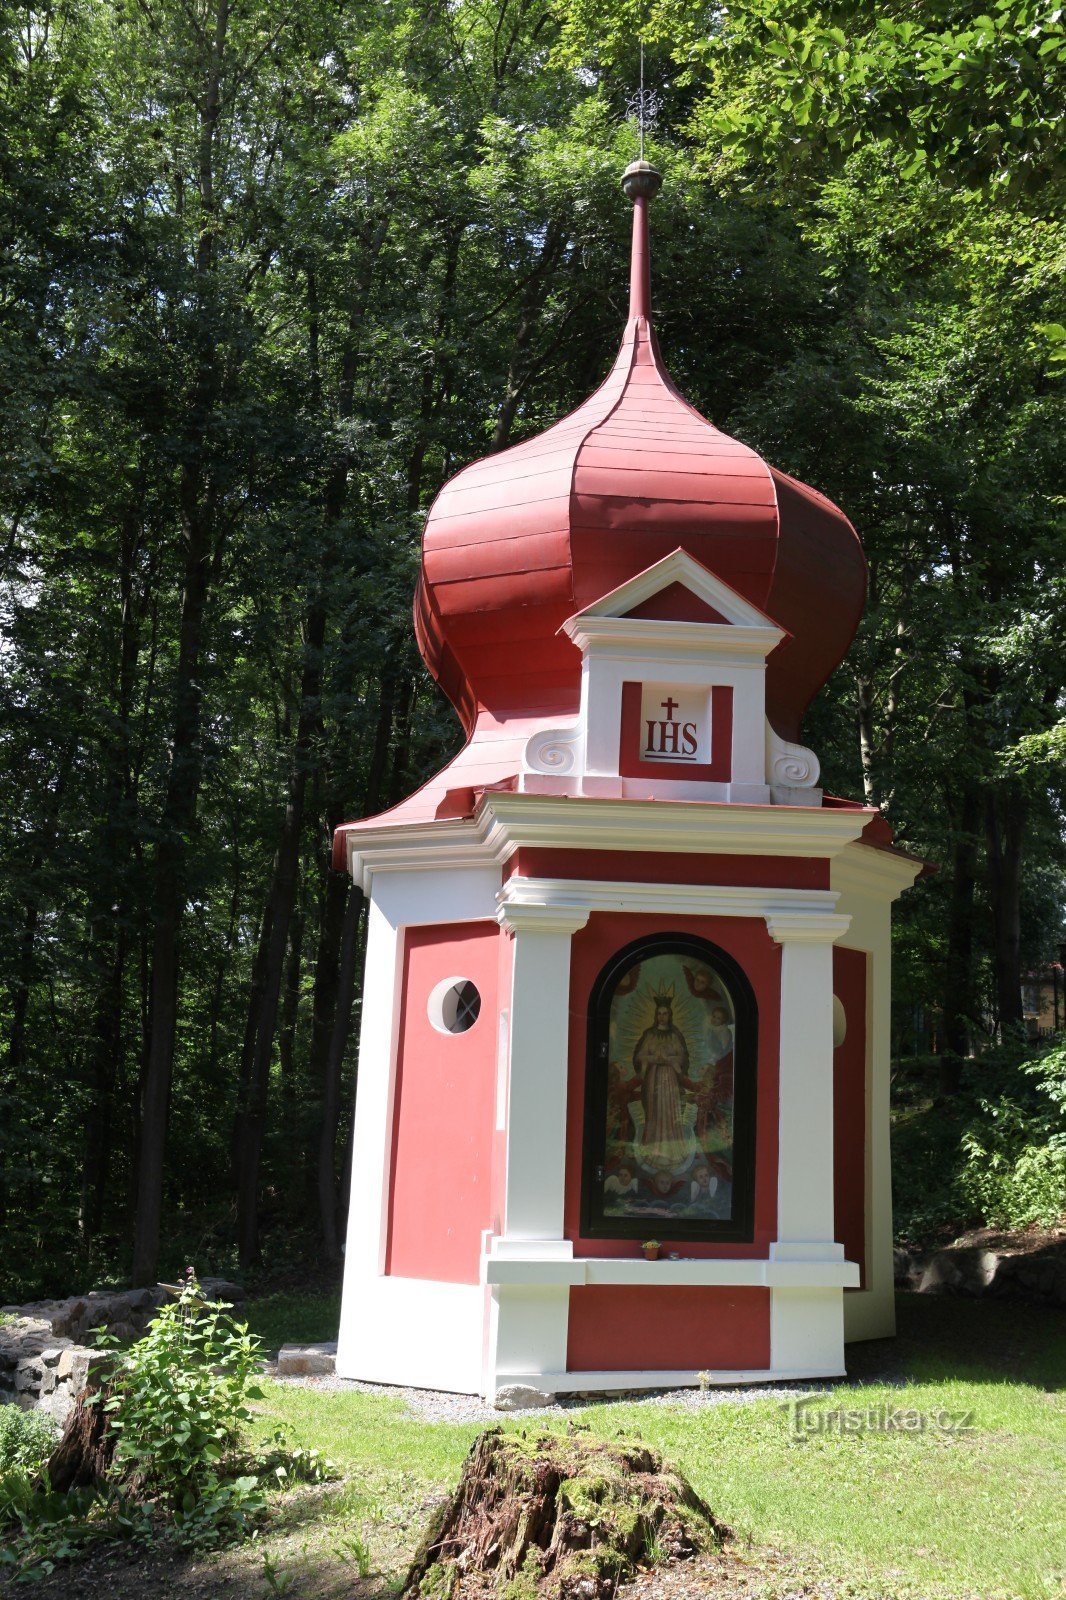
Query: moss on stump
(561, 1515)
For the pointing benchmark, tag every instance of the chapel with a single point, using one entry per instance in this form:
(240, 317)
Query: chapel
(622, 1115)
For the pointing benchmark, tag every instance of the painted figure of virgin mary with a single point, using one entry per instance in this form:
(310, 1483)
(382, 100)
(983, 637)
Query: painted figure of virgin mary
(662, 1065)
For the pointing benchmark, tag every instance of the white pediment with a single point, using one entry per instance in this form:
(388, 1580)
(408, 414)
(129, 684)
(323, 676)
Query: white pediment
(677, 568)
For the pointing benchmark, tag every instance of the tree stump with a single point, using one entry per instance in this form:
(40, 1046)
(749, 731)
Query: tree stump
(87, 1444)
(565, 1516)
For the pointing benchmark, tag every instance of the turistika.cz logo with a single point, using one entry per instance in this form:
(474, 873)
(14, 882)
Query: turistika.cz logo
(810, 1417)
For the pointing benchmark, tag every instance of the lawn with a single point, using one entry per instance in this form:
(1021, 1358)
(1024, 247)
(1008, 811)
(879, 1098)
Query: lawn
(975, 1509)
(969, 1511)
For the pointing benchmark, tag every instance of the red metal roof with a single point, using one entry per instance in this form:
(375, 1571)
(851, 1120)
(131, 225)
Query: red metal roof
(519, 541)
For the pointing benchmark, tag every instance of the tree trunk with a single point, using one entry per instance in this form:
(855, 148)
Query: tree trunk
(1005, 816)
(281, 901)
(331, 1096)
(570, 1510)
(958, 1004)
(864, 710)
(199, 516)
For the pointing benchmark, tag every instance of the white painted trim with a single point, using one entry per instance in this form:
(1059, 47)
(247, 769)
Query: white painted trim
(647, 640)
(539, 915)
(868, 886)
(412, 1331)
(807, 1331)
(794, 912)
(613, 1382)
(731, 1271)
(678, 567)
(806, 927)
(867, 871)
(805, 1080)
(508, 822)
(382, 1335)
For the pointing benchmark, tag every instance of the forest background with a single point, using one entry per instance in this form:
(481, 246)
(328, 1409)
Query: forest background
(270, 274)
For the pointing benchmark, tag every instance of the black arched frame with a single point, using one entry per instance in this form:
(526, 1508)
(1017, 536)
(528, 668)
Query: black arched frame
(596, 1221)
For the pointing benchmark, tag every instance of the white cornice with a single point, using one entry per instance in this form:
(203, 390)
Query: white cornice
(862, 869)
(506, 822)
(674, 827)
(729, 1270)
(647, 639)
(547, 916)
(788, 908)
(805, 927)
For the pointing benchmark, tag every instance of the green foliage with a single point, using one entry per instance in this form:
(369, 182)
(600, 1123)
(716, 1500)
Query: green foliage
(992, 1156)
(286, 1317)
(1014, 1171)
(26, 1439)
(178, 1403)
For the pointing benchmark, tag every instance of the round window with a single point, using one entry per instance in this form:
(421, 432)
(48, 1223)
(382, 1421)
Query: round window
(840, 1022)
(454, 1005)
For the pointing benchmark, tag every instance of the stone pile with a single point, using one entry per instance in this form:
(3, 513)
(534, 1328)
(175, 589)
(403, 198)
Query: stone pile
(979, 1268)
(43, 1361)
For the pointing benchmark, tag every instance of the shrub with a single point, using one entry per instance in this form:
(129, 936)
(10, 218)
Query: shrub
(1014, 1168)
(26, 1439)
(177, 1405)
(992, 1155)
(178, 1400)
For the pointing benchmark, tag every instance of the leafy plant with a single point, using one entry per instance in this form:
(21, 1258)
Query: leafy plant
(178, 1402)
(1014, 1170)
(26, 1439)
(995, 1156)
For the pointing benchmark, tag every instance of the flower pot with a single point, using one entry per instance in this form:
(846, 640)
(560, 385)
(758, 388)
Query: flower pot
(651, 1251)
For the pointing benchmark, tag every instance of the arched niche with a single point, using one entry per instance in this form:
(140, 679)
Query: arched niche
(669, 1138)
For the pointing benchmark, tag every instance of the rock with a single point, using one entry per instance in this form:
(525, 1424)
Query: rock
(76, 1364)
(307, 1360)
(222, 1289)
(942, 1275)
(520, 1397)
(27, 1376)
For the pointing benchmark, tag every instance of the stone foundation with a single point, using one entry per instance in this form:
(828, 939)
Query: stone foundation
(43, 1362)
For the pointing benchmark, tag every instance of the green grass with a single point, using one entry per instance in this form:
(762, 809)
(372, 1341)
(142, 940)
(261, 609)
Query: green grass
(889, 1513)
(285, 1318)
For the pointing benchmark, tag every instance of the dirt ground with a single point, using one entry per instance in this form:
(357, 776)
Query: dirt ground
(303, 1570)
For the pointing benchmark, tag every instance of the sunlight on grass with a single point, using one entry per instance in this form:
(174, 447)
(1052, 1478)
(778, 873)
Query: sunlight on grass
(908, 1513)
(286, 1318)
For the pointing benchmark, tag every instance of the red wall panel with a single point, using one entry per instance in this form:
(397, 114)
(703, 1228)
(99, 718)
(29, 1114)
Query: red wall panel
(619, 866)
(440, 1186)
(620, 1328)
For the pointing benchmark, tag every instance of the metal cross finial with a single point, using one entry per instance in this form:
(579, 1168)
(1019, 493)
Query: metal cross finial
(644, 106)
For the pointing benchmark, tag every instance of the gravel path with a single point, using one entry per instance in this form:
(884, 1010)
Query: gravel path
(431, 1405)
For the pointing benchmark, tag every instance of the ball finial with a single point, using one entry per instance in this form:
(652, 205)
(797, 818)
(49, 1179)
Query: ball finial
(641, 180)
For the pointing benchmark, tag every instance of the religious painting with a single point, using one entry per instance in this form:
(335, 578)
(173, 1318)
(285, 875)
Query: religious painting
(669, 1138)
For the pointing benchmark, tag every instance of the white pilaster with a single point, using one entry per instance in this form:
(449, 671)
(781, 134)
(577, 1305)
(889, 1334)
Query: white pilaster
(868, 881)
(383, 1318)
(527, 1326)
(539, 1064)
(806, 1325)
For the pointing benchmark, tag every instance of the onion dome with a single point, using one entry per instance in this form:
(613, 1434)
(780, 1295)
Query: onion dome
(519, 541)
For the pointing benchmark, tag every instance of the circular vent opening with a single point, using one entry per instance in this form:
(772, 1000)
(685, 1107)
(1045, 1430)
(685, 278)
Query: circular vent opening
(454, 1005)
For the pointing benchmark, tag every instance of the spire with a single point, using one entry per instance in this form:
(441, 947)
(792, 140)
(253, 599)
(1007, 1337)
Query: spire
(641, 182)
